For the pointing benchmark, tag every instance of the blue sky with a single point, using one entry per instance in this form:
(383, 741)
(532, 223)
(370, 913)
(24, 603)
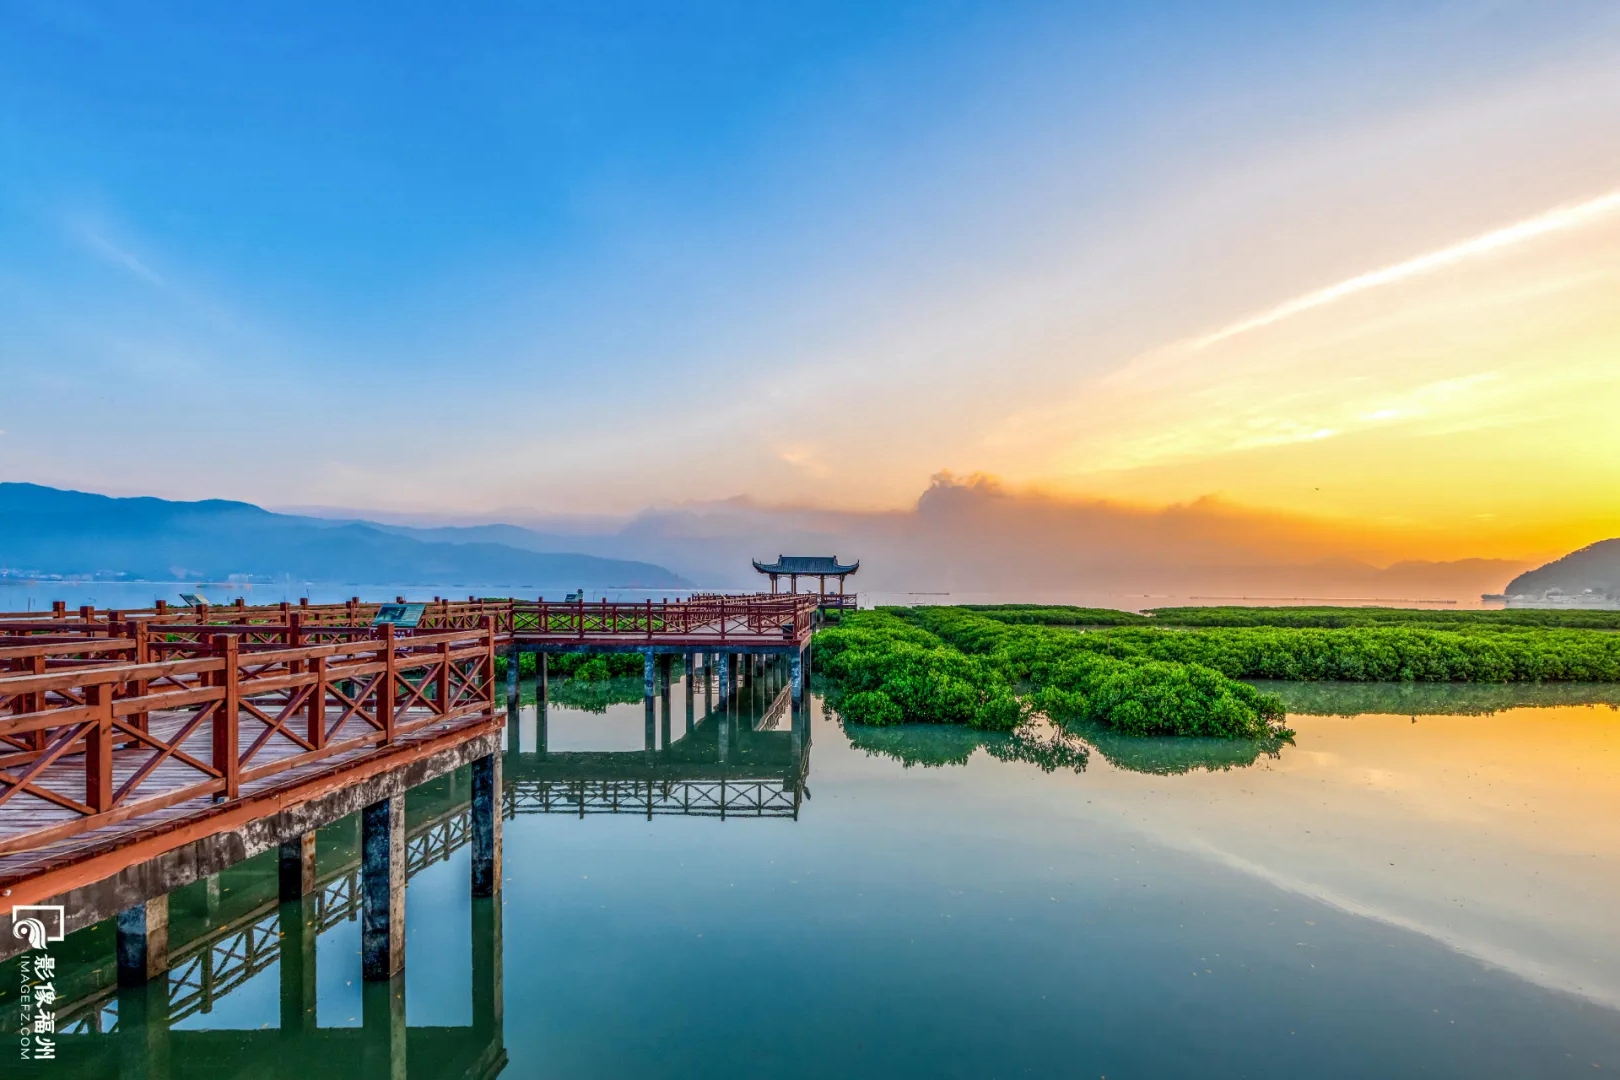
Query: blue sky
(583, 258)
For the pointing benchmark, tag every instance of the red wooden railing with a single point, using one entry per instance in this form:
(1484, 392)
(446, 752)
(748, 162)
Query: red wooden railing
(722, 617)
(194, 710)
(289, 625)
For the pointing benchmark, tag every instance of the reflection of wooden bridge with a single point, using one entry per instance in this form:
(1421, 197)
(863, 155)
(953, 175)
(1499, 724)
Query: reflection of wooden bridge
(143, 750)
(226, 954)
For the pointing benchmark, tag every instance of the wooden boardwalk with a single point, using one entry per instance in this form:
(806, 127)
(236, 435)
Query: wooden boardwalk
(116, 748)
(126, 734)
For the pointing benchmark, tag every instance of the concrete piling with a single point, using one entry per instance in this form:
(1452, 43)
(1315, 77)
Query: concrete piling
(382, 889)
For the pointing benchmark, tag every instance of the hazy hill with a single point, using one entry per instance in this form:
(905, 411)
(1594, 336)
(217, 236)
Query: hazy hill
(45, 530)
(1593, 569)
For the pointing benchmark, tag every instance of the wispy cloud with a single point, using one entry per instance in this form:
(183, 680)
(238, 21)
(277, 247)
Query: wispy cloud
(111, 252)
(1561, 219)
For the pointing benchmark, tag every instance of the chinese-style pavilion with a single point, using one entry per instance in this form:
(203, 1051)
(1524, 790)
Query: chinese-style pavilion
(820, 567)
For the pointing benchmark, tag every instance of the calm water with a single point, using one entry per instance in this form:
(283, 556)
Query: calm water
(1425, 889)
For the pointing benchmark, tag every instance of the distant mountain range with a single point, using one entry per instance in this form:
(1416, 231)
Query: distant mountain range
(1590, 575)
(46, 531)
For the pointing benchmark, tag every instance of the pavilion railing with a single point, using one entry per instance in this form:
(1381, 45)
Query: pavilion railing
(723, 617)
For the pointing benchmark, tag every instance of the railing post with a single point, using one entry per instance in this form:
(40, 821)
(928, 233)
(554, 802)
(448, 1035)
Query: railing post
(143, 655)
(385, 687)
(316, 707)
(487, 687)
(442, 687)
(227, 753)
(98, 748)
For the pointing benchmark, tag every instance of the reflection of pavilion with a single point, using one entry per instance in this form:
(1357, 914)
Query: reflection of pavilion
(746, 755)
(131, 1032)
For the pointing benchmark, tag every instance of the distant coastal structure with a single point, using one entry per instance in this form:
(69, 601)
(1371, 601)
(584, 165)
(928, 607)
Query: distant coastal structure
(820, 567)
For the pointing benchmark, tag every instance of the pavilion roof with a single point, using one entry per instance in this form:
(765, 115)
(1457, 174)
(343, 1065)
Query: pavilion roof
(807, 564)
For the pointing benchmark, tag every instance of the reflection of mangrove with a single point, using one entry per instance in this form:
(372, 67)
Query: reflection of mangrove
(1417, 699)
(1172, 754)
(1051, 748)
(595, 695)
(134, 1032)
(935, 745)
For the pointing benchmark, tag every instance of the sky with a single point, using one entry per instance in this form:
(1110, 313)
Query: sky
(1350, 266)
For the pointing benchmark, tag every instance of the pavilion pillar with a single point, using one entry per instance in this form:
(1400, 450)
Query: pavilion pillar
(296, 868)
(486, 826)
(143, 941)
(382, 889)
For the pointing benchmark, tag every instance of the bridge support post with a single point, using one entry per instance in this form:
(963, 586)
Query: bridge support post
(143, 1031)
(382, 1021)
(649, 684)
(724, 689)
(542, 676)
(488, 980)
(708, 685)
(143, 942)
(486, 826)
(513, 656)
(667, 663)
(382, 889)
(297, 866)
(797, 673)
(297, 964)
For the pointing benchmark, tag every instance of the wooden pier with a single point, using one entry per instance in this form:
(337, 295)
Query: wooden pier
(142, 750)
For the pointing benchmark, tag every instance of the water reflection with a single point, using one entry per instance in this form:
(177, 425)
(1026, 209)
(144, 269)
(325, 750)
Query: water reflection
(1069, 746)
(746, 755)
(234, 940)
(935, 745)
(1433, 699)
(1171, 755)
